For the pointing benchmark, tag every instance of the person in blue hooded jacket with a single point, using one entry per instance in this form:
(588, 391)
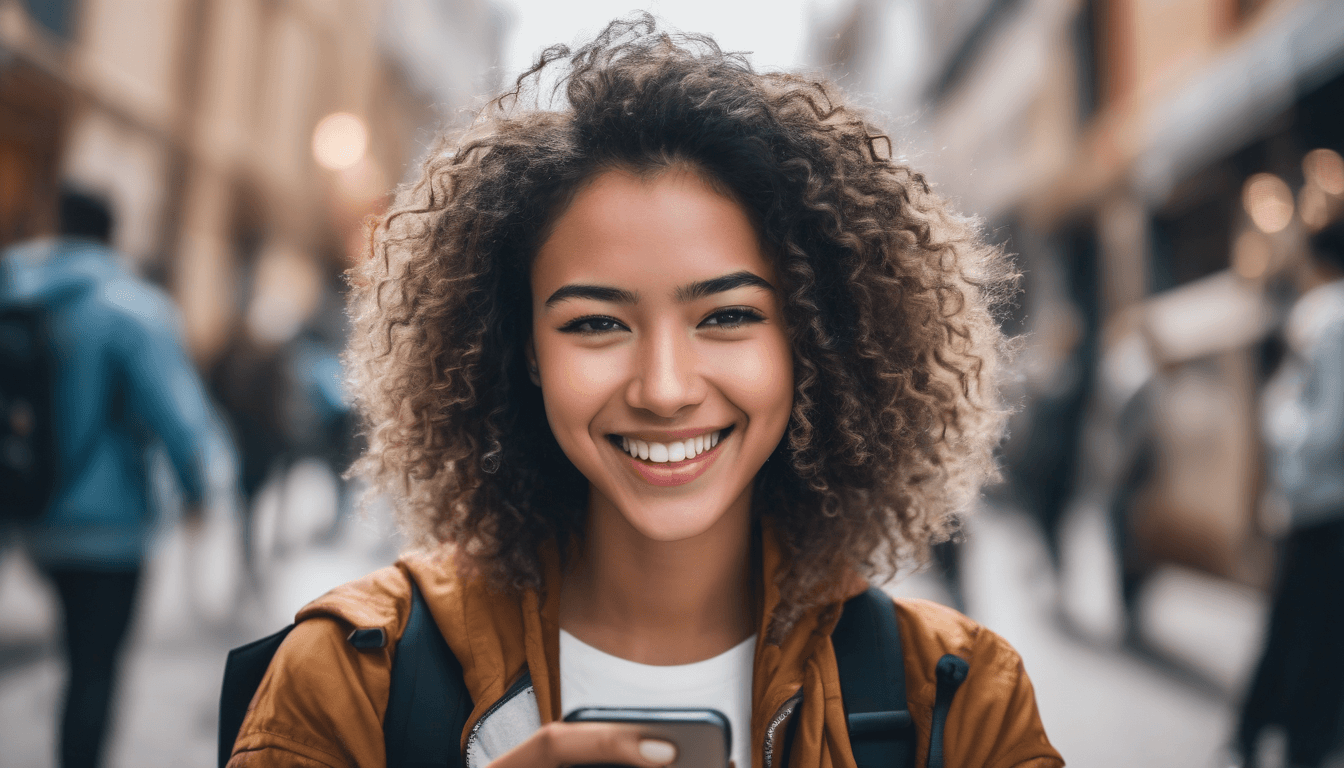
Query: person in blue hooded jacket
(1299, 681)
(119, 379)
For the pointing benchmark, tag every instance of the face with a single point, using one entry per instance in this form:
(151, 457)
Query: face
(660, 349)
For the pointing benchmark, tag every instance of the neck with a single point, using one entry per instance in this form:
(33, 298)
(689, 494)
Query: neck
(661, 602)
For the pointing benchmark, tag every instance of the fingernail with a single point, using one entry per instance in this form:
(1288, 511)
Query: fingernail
(656, 751)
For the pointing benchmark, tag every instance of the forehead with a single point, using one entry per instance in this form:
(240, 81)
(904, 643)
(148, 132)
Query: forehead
(648, 234)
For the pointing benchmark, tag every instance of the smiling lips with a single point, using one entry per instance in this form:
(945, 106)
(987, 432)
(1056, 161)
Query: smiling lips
(672, 463)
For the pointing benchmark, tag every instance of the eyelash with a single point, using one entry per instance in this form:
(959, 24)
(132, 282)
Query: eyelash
(576, 325)
(742, 316)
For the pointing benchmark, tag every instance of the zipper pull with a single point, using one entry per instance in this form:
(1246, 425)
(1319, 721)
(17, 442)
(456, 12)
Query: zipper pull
(951, 672)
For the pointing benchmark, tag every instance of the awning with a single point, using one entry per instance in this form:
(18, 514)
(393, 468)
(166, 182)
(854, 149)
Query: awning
(1231, 100)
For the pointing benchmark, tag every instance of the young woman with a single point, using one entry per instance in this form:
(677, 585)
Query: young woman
(661, 377)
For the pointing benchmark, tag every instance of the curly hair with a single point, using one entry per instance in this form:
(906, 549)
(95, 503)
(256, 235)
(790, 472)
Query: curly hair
(888, 297)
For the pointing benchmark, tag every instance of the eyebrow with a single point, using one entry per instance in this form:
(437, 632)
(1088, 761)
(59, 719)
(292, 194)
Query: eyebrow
(715, 285)
(685, 293)
(594, 292)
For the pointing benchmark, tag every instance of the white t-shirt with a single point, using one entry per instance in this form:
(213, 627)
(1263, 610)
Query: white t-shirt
(591, 678)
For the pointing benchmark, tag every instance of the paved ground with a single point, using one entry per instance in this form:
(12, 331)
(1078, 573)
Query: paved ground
(1102, 706)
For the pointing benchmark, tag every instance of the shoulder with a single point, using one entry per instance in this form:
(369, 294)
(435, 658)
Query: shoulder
(993, 720)
(1317, 318)
(930, 630)
(322, 699)
(380, 600)
(140, 302)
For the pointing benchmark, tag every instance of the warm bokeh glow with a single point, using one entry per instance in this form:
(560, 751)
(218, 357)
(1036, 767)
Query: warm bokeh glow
(1268, 201)
(1324, 168)
(339, 141)
(288, 287)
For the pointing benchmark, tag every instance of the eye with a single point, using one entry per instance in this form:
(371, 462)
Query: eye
(592, 324)
(733, 317)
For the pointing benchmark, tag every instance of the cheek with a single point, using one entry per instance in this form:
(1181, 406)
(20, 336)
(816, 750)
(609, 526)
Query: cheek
(575, 385)
(760, 380)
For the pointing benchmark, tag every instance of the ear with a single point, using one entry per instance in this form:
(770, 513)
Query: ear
(530, 355)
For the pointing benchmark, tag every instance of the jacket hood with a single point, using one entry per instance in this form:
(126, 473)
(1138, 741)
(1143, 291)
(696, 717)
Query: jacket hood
(52, 269)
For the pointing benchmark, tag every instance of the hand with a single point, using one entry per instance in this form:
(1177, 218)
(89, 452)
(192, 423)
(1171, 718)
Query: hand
(560, 744)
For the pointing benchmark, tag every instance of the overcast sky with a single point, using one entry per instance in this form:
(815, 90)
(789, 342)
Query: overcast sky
(775, 31)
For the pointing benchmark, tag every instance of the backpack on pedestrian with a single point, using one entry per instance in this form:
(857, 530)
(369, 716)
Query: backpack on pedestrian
(28, 460)
(427, 689)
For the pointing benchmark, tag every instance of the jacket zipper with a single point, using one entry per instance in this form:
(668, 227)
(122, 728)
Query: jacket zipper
(523, 682)
(782, 715)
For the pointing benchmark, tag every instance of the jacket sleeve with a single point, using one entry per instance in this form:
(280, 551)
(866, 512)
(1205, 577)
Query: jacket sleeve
(164, 389)
(321, 703)
(994, 722)
(1321, 447)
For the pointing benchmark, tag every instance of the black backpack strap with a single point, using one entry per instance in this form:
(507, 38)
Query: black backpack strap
(243, 672)
(871, 661)
(428, 704)
(951, 673)
(427, 707)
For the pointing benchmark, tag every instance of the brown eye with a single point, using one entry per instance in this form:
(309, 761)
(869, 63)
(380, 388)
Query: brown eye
(592, 324)
(733, 318)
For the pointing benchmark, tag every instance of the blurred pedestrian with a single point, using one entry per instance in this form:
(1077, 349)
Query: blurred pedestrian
(1299, 683)
(249, 379)
(108, 346)
(1058, 378)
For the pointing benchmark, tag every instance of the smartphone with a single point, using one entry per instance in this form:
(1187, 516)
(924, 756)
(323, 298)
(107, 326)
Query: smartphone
(703, 737)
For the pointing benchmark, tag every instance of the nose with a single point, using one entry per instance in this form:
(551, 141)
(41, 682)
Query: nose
(667, 377)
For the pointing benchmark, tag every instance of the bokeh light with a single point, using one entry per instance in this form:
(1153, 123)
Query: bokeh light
(339, 141)
(1324, 168)
(288, 288)
(1268, 201)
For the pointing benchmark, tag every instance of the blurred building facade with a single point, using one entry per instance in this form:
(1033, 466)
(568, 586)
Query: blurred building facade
(1157, 166)
(203, 122)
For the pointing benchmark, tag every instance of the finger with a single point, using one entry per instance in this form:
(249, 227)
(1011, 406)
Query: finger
(586, 743)
(559, 744)
(657, 751)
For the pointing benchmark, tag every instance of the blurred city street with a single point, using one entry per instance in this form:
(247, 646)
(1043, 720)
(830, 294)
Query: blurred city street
(1103, 707)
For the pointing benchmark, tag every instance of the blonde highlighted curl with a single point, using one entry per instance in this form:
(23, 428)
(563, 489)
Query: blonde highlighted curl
(888, 298)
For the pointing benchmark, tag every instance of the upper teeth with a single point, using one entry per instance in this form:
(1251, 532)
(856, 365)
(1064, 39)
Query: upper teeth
(675, 451)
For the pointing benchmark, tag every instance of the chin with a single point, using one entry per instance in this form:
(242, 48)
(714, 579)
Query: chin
(676, 520)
